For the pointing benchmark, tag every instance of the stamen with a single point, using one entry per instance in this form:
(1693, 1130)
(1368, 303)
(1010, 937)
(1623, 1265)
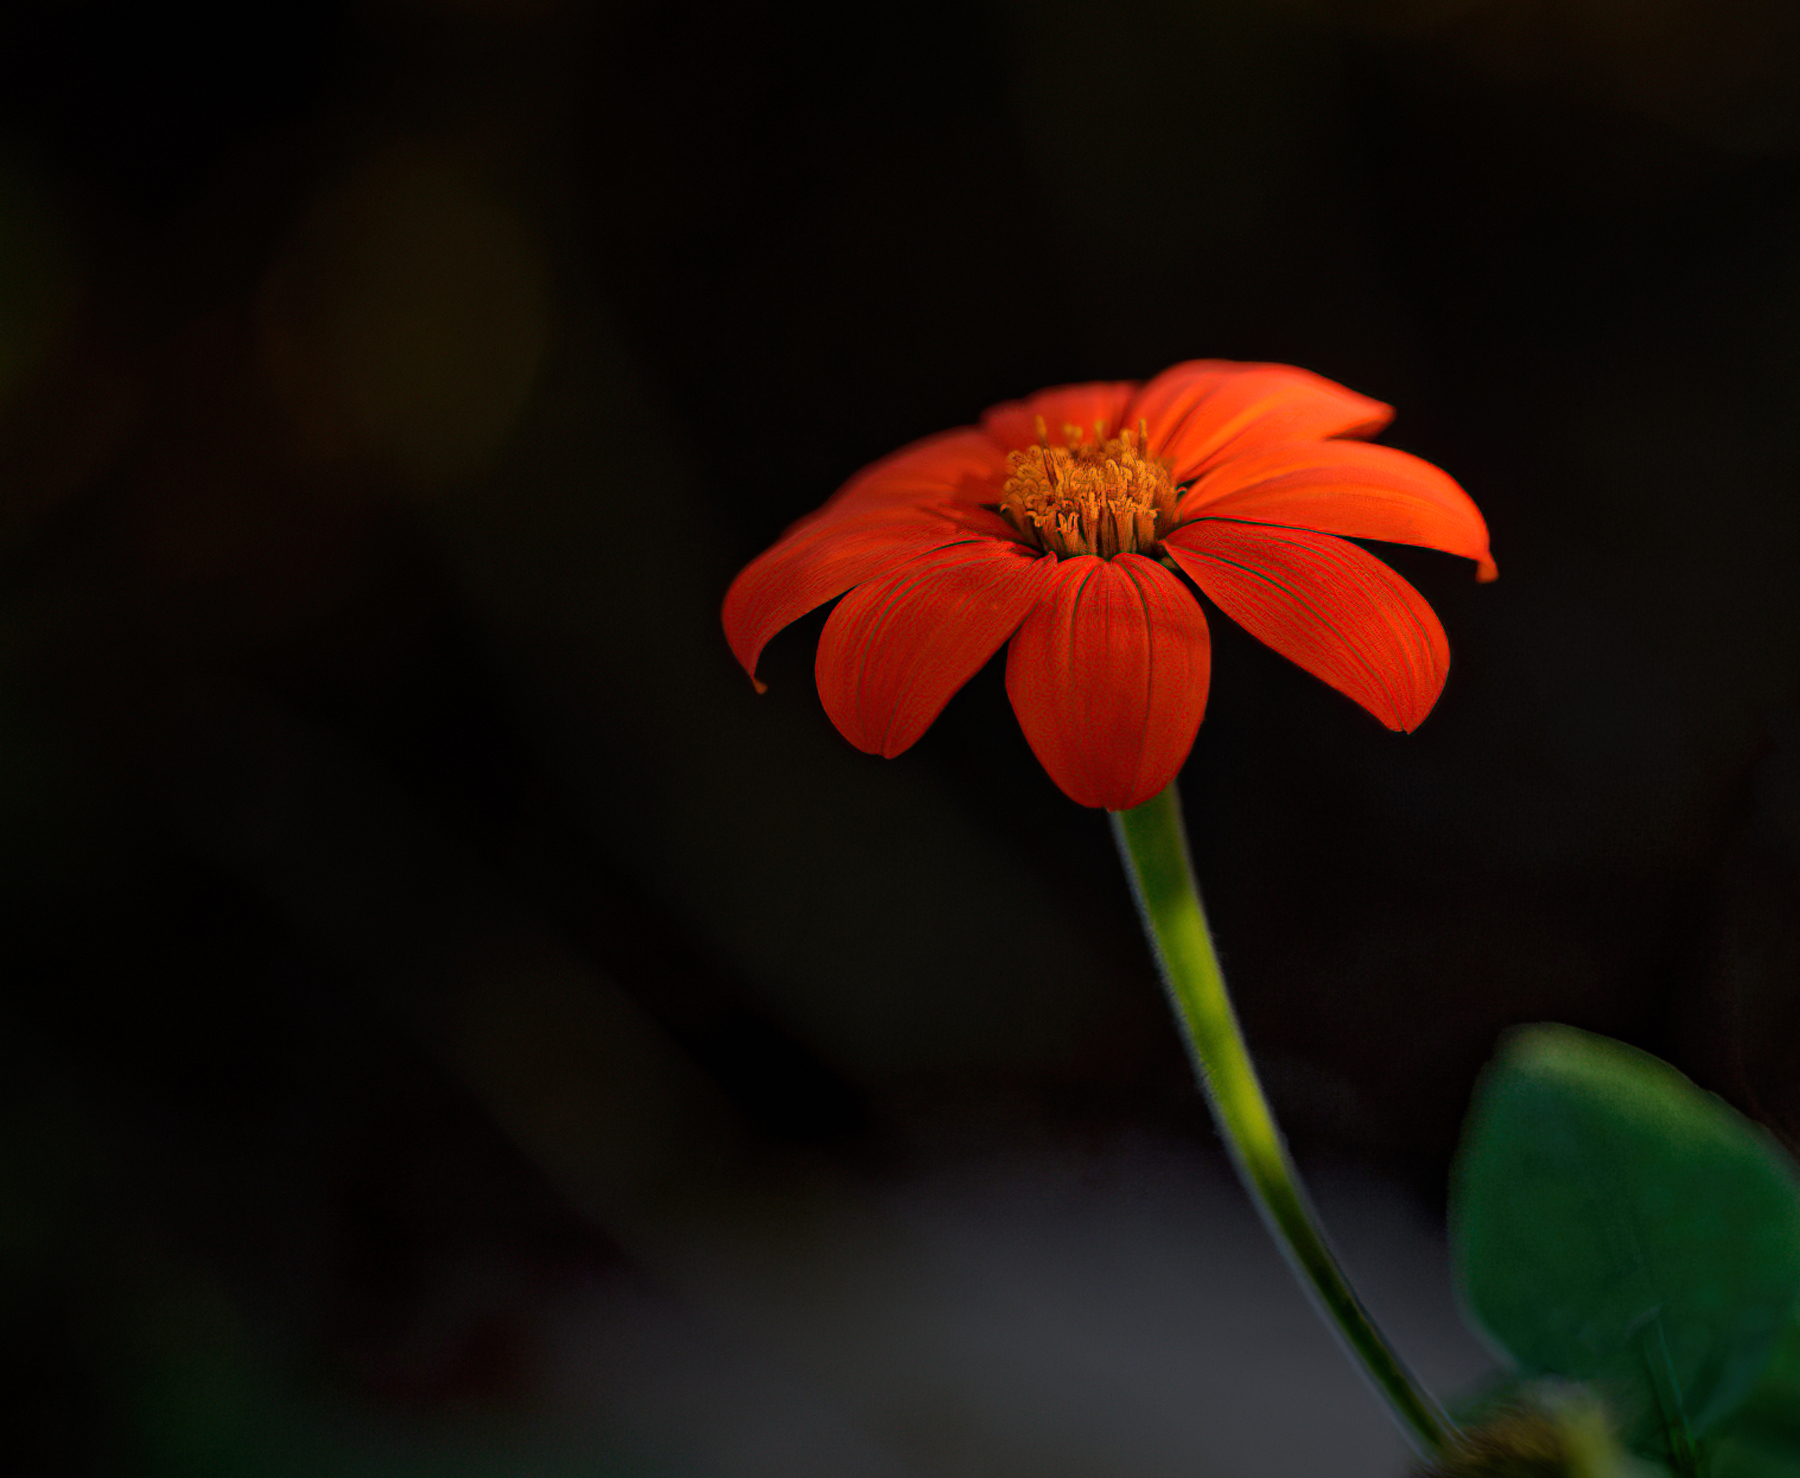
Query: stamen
(1104, 497)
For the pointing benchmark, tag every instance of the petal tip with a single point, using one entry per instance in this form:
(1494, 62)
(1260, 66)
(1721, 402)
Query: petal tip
(1486, 571)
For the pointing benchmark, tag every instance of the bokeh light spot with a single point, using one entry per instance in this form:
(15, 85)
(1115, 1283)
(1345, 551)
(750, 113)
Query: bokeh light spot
(408, 319)
(37, 284)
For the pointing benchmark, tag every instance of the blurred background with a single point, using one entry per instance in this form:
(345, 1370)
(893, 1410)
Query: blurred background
(454, 1027)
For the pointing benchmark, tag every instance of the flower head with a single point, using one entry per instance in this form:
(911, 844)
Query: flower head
(1064, 524)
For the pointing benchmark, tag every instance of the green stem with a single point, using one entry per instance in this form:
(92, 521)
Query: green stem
(1155, 853)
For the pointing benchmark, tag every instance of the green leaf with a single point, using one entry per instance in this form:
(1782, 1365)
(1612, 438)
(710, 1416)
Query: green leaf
(1615, 1224)
(1761, 1439)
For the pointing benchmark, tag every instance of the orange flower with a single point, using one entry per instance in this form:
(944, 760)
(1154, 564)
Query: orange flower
(1063, 524)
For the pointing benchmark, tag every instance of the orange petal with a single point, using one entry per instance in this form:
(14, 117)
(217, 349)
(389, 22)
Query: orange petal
(1323, 603)
(1013, 426)
(897, 648)
(1349, 488)
(1108, 676)
(1203, 411)
(960, 466)
(825, 554)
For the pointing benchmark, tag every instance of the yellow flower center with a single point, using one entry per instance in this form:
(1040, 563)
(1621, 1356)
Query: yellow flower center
(1101, 497)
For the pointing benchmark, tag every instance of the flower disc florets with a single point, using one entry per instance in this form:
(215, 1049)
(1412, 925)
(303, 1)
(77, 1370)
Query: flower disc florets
(1104, 496)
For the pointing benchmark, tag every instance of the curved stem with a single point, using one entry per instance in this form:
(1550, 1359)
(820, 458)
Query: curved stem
(1154, 850)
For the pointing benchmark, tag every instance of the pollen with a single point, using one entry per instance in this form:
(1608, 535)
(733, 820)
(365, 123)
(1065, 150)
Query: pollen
(1096, 495)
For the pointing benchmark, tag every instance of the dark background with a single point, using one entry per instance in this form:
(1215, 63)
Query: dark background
(455, 1027)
